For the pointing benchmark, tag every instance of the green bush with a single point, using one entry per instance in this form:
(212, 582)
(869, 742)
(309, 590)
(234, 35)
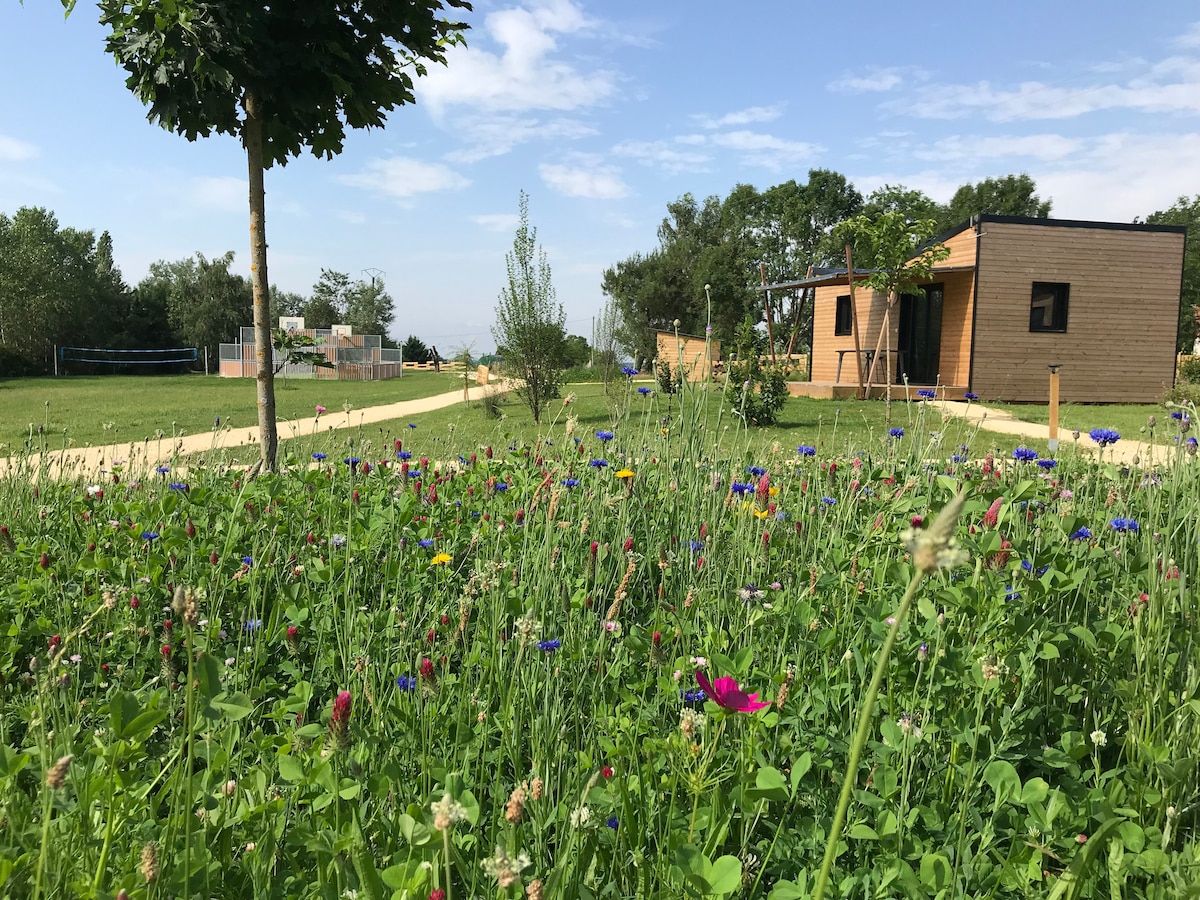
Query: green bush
(1189, 370)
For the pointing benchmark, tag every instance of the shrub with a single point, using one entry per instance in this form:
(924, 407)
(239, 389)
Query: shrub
(1189, 370)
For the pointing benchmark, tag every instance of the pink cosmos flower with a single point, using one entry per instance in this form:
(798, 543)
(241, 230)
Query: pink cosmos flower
(726, 693)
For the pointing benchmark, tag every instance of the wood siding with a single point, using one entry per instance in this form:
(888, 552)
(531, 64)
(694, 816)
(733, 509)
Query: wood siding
(1122, 313)
(962, 249)
(826, 344)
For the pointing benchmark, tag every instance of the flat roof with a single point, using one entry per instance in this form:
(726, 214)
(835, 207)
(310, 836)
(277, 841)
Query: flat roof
(839, 277)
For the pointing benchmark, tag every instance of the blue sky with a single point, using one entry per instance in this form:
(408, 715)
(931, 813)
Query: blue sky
(603, 113)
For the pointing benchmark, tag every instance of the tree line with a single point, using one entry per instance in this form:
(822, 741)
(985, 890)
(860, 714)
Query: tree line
(711, 254)
(59, 286)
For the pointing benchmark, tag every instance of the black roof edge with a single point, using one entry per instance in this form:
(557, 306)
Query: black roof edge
(1076, 223)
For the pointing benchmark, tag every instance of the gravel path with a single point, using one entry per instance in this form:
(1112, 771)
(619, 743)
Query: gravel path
(142, 456)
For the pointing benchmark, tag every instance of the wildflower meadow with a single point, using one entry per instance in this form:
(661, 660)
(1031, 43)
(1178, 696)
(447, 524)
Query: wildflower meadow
(633, 661)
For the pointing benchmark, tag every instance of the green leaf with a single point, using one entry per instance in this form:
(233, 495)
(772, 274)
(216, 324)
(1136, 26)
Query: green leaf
(769, 784)
(726, 875)
(800, 767)
(1003, 779)
(290, 769)
(788, 890)
(935, 871)
(235, 706)
(1034, 791)
(210, 675)
(862, 832)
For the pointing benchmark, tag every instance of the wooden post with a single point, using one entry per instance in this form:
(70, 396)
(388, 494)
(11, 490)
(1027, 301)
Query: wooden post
(762, 271)
(858, 363)
(1053, 442)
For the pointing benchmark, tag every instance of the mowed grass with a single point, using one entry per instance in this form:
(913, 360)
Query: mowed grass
(90, 410)
(1132, 420)
(834, 427)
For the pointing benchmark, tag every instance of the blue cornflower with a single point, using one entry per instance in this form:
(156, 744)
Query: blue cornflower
(896, 433)
(805, 450)
(693, 696)
(412, 424)
(612, 822)
(162, 470)
(1024, 454)
(247, 560)
(351, 461)
(502, 485)
(1179, 416)
(644, 391)
(217, 422)
(1104, 436)
(425, 543)
(407, 683)
(604, 436)
(570, 482)
(927, 393)
(1191, 442)
(149, 535)
(549, 646)
(337, 541)
(403, 454)
(1026, 565)
(970, 395)
(756, 471)
(1011, 594)
(598, 463)
(828, 501)
(738, 488)
(1125, 525)
(414, 473)
(318, 456)
(629, 371)
(252, 625)
(958, 458)
(178, 485)
(1081, 534)
(695, 546)
(1047, 463)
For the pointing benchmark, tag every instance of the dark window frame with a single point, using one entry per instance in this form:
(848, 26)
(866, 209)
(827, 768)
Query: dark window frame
(843, 317)
(1060, 293)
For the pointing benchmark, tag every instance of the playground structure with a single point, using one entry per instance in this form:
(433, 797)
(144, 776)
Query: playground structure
(355, 357)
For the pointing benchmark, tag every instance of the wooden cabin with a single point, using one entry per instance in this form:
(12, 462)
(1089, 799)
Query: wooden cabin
(1015, 295)
(688, 350)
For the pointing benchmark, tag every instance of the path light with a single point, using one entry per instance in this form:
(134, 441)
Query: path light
(1053, 442)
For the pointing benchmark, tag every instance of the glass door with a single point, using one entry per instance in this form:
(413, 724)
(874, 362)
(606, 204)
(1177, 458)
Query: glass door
(920, 341)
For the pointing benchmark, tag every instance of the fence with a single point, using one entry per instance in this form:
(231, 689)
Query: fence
(356, 357)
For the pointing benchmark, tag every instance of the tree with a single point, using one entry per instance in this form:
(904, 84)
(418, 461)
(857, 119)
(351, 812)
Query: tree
(1186, 211)
(57, 286)
(530, 328)
(914, 205)
(1011, 195)
(206, 303)
(576, 351)
(414, 350)
(293, 349)
(894, 248)
(370, 309)
(281, 77)
(326, 304)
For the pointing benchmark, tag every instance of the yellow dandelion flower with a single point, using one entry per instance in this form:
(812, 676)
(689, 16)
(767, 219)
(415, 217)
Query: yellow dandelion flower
(624, 473)
(440, 559)
(761, 513)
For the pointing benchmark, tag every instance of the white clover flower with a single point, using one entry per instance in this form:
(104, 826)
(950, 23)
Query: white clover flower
(1099, 738)
(581, 817)
(446, 812)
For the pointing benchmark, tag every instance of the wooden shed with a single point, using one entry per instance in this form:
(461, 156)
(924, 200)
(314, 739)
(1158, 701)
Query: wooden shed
(688, 350)
(1015, 295)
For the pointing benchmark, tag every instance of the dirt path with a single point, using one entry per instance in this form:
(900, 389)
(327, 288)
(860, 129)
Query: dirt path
(1126, 451)
(142, 456)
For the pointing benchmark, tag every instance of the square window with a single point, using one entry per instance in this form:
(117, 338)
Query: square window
(1048, 308)
(842, 318)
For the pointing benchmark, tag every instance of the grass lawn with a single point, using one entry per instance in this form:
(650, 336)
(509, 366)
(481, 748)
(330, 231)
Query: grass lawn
(101, 409)
(1130, 419)
(833, 426)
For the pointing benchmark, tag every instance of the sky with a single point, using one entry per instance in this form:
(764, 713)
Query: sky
(603, 112)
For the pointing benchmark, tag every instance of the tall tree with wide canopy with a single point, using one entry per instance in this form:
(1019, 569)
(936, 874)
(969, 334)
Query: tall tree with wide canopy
(282, 78)
(1011, 195)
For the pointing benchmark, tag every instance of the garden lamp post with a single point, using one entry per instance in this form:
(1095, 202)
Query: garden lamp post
(1053, 442)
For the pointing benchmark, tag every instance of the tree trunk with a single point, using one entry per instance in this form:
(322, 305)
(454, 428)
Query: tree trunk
(252, 138)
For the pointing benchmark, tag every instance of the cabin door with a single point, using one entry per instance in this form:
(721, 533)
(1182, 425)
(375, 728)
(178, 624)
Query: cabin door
(920, 342)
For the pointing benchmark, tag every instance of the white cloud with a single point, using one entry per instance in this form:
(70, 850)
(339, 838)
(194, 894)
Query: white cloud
(525, 75)
(766, 150)
(1190, 39)
(748, 116)
(223, 193)
(1171, 85)
(586, 178)
(872, 81)
(13, 150)
(489, 136)
(497, 221)
(663, 155)
(966, 148)
(403, 177)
